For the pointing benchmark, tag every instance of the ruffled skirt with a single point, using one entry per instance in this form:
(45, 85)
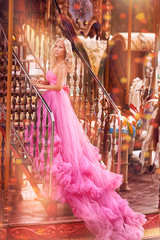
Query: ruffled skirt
(80, 180)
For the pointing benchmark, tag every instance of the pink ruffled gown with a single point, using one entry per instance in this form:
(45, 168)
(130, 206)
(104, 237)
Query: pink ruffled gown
(80, 180)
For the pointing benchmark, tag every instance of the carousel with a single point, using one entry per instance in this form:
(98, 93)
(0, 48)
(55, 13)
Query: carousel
(114, 91)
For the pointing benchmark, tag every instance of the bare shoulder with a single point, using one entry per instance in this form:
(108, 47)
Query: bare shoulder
(62, 68)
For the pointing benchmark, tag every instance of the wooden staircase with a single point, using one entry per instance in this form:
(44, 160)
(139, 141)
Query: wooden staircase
(23, 115)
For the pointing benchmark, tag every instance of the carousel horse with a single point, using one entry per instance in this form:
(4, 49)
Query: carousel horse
(148, 109)
(150, 112)
(131, 128)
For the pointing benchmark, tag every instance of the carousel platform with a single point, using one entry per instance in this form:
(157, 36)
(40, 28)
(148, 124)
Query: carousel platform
(143, 197)
(27, 219)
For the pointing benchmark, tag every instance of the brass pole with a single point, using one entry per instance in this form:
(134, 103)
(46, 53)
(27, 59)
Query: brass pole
(156, 31)
(155, 16)
(106, 83)
(48, 9)
(129, 53)
(152, 145)
(125, 186)
(9, 78)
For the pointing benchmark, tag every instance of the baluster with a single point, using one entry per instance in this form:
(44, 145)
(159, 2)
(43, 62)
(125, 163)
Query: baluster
(46, 146)
(4, 88)
(14, 85)
(2, 160)
(24, 107)
(40, 38)
(4, 74)
(4, 68)
(5, 57)
(91, 107)
(96, 116)
(35, 128)
(107, 139)
(30, 115)
(113, 143)
(19, 101)
(10, 166)
(0, 37)
(40, 130)
(43, 42)
(69, 80)
(49, 43)
(1, 59)
(102, 124)
(80, 92)
(75, 85)
(37, 37)
(85, 99)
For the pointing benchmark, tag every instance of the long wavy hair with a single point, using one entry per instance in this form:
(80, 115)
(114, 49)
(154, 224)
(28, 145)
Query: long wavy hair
(69, 59)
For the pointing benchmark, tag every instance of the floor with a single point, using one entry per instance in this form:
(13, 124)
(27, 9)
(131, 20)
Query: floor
(142, 197)
(144, 189)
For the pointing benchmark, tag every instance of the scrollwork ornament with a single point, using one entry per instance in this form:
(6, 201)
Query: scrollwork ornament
(67, 230)
(56, 231)
(3, 234)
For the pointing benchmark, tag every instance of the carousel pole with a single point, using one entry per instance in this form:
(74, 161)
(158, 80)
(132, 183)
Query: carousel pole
(125, 186)
(8, 115)
(156, 26)
(157, 49)
(108, 24)
(129, 55)
(156, 31)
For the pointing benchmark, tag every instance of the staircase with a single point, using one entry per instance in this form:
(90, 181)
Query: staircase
(23, 117)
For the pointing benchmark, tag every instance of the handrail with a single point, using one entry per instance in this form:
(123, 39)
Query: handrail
(70, 37)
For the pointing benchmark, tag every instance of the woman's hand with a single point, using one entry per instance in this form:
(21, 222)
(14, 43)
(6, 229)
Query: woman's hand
(38, 85)
(34, 81)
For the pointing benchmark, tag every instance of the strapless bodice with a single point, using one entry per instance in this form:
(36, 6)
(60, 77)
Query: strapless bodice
(51, 77)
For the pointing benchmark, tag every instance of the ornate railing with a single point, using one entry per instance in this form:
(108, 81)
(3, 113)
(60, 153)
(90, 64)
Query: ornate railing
(24, 99)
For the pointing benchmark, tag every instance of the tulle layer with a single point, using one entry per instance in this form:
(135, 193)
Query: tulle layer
(80, 180)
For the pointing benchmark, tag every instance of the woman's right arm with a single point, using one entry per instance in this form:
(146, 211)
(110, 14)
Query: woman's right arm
(34, 81)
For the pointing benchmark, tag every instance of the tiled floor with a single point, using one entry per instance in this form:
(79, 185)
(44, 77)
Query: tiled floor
(144, 189)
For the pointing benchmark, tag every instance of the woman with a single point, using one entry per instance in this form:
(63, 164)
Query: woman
(79, 178)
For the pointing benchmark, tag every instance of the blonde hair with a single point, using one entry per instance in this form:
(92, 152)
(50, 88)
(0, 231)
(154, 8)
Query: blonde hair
(69, 59)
